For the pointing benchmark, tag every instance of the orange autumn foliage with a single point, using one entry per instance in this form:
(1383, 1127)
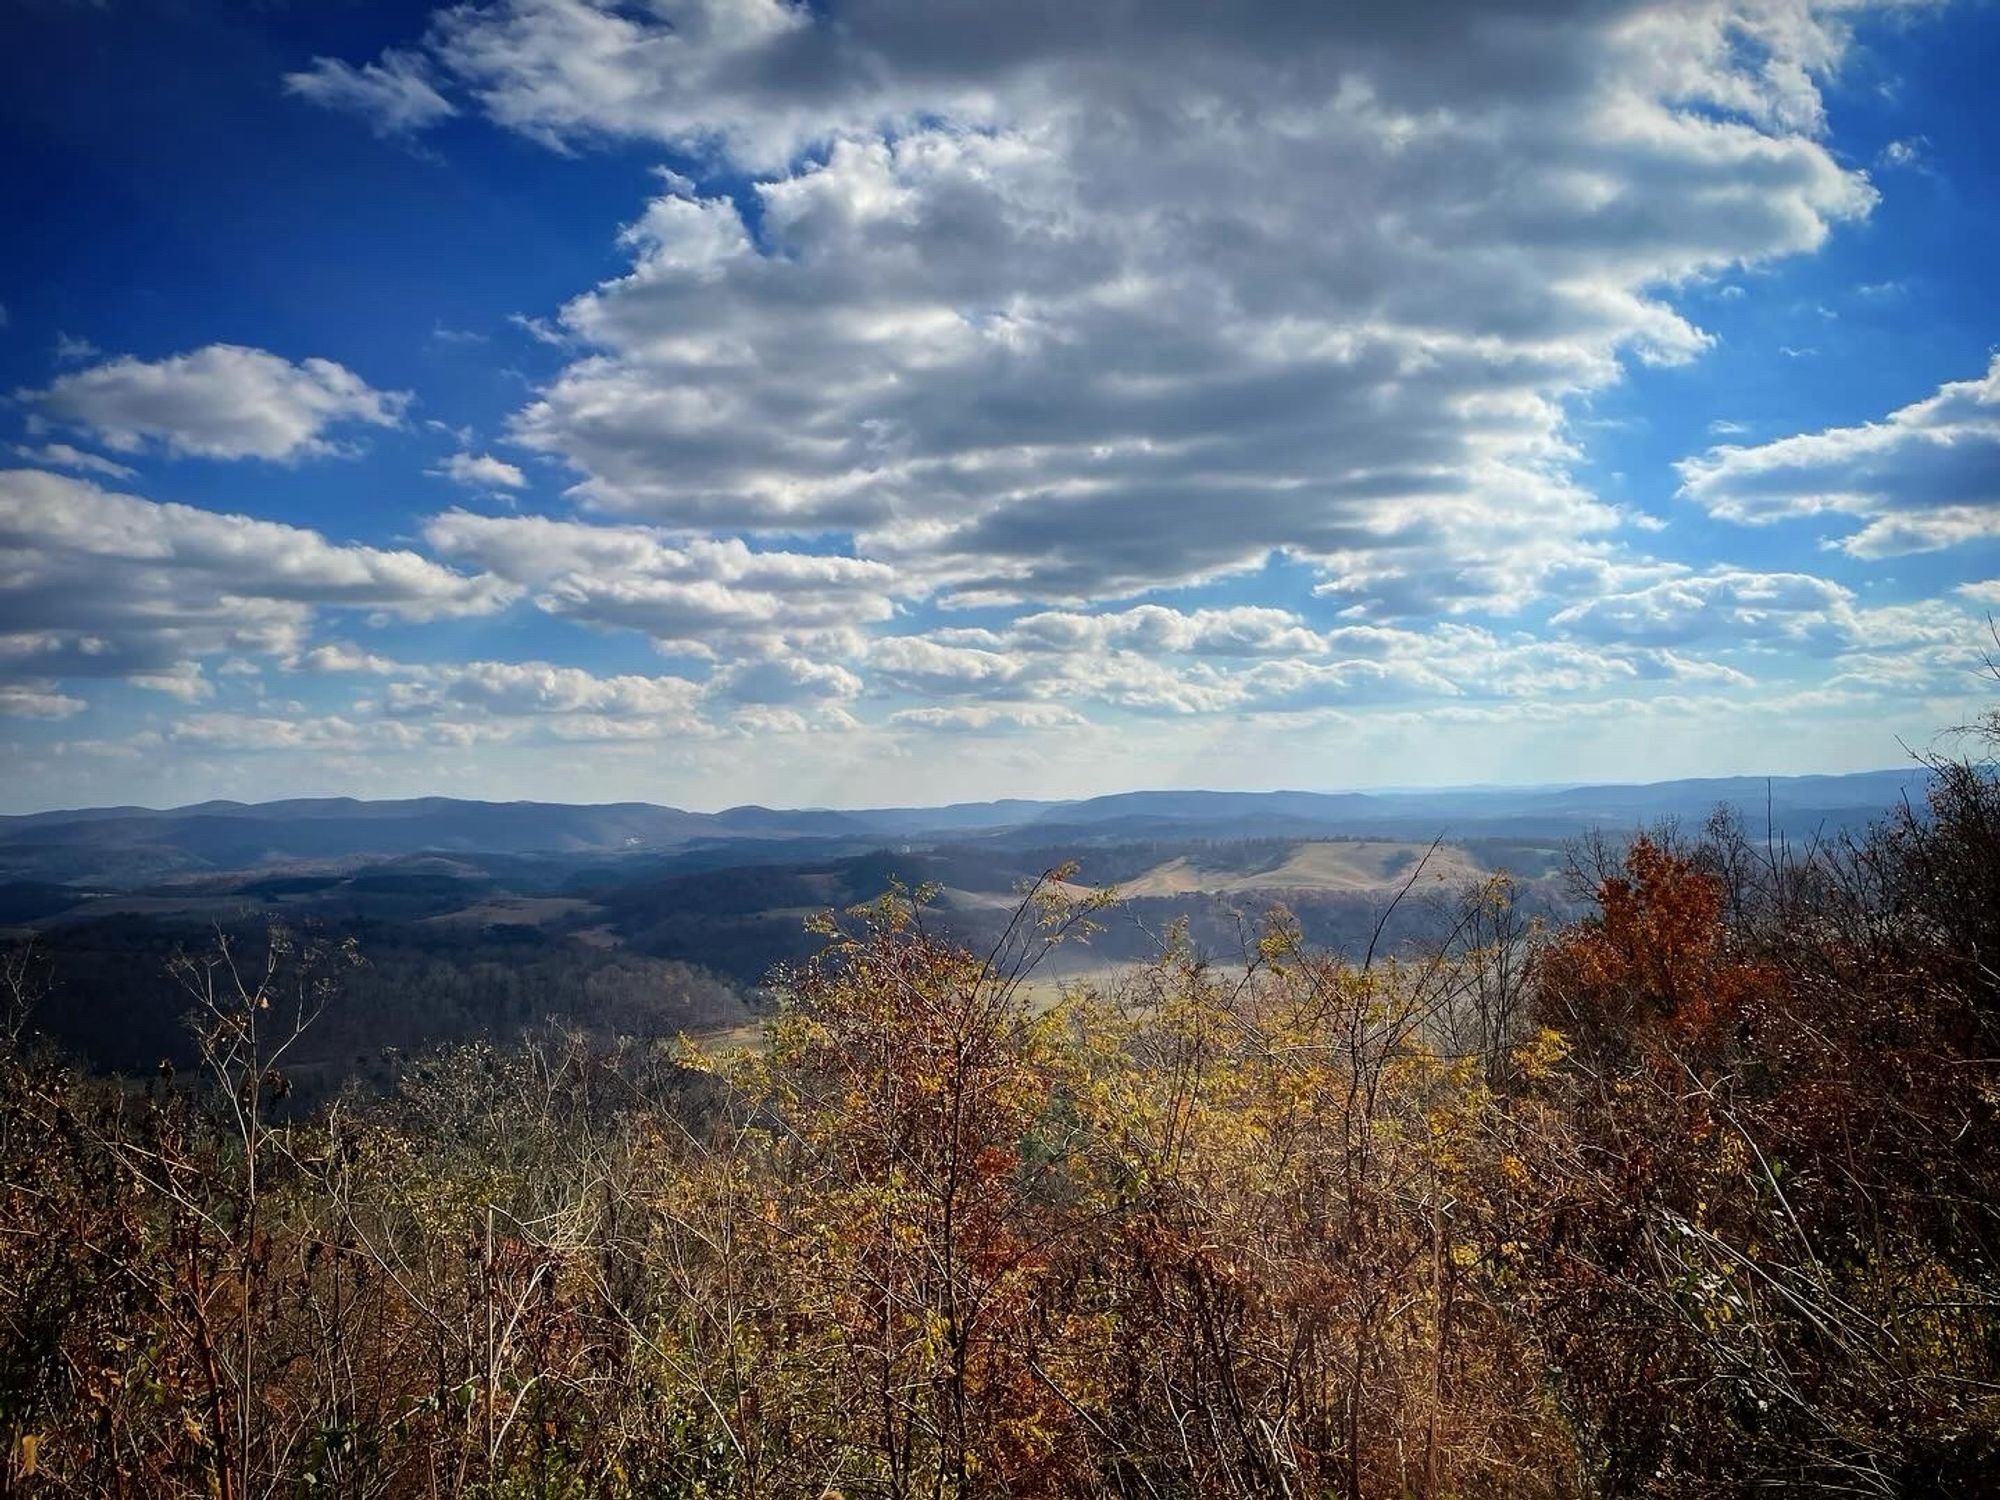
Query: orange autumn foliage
(1656, 963)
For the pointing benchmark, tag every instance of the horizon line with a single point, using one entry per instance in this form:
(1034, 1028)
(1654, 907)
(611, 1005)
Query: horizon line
(1916, 767)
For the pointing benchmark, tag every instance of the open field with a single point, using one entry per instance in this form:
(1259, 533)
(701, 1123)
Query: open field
(1316, 865)
(514, 911)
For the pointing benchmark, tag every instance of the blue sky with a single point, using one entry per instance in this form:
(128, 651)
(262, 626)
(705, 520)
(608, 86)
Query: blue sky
(722, 400)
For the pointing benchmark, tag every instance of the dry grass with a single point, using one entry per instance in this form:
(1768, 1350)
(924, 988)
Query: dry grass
(1326, 865)
(517, 911)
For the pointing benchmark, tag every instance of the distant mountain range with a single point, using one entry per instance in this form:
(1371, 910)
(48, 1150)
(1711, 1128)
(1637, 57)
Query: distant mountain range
(477, 918)
(113, 844)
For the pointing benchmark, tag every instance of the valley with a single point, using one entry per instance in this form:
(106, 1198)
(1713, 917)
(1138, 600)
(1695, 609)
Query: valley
(488, 919)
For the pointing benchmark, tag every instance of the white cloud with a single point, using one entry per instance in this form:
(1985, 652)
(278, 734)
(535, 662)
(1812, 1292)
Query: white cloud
(1240, 630)
(1041, 310)
(183, 680)
(538, 701)
(1907, 152)
(1754, 615)
(1946, 526)
(71, 351)
(1729, 607)
(101, 584)
(344, 656)
(36, 698)
(250, 732)
(784, 679)
(1068, 303)
(925, 666)
(481, 471)
(759, 720)
(1924, 478)
(222, 401)
(395, 95)
(705, 595)
(516, 689)
(255, 734)
(64, 456)
(1883, 291)
(988, 718)
(1177, 666)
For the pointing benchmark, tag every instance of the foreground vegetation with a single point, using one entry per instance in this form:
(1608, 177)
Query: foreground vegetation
(1695, 1196)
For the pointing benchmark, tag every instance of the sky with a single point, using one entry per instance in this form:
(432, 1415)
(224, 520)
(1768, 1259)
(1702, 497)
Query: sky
(905, 401)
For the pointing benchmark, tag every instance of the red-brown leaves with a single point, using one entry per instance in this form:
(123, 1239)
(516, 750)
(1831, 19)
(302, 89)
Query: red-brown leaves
(1654, 966)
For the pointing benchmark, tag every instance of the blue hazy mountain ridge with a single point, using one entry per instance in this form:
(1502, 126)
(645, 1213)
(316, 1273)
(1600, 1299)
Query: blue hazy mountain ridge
(1864, 789)
(230, 835)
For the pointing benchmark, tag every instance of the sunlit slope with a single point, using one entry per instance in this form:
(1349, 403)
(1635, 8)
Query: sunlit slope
(1318, 865)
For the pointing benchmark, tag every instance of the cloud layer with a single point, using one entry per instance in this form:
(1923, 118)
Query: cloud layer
(99, 584)
(702, 597)
(1014, 371)
(1076, 305)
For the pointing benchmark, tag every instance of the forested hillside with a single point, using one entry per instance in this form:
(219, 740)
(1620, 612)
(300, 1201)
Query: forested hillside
(455, 949)
(1694, 1195)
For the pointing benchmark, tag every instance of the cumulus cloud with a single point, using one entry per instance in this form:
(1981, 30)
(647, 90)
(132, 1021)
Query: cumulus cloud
(1239, 630)
(563, 703)
(1158, 661)
(36, 698)
(758, 720)
(222, 401)
(1063, 303)
(394, 95)
(1931, 645)
(517, 688)
(481, 471)
(1101, 331)
(102, 584)
(1924, 478)
(344, 656)
(784, 679)
(1728, 606)
(978, 329)
(939, 668)
(184, 680)
(706, 596)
